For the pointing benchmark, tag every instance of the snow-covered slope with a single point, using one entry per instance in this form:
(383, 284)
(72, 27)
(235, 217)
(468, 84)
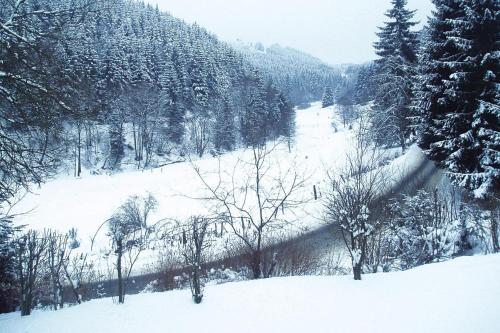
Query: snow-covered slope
(458, 296)
(85, 203)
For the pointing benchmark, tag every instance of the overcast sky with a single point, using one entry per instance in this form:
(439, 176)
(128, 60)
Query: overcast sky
(336, 31)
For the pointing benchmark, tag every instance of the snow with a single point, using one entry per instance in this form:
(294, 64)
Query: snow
(86, 203)
(458, 296)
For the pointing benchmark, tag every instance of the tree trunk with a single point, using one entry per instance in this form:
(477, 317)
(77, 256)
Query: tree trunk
(357, 271)
(121, 296)
(197, 296)
(494, 232)
(26, 304)
(256, 270)
(73, 287)
(79, 162)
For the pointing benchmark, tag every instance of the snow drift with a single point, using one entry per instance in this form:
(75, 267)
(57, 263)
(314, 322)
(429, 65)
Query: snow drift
(462, 295)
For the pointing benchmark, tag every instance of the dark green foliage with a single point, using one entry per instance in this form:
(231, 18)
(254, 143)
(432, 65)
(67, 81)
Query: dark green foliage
(365, 86)
(458, 96)
(225, 130)
(301, 77)
(328, 97)
(8, 281)
(395, 71)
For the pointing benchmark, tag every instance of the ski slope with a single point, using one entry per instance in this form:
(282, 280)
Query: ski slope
(458, 296)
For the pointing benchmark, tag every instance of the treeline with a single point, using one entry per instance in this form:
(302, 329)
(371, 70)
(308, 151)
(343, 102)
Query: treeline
(120, 76)
(439, 87)
(48, 268)
(300, 76)
(387, 231)
(98, 84)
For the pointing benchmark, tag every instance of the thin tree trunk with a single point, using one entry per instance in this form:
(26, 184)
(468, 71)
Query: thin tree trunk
(73, 287)
(197, 297)
(357, 271)
(121, 296)
(256, 270)
(79, 162)
(494, 233)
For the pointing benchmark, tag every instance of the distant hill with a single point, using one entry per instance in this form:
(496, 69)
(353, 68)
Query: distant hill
(301, 76)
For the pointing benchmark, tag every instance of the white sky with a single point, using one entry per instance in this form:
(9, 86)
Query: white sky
(336, 31)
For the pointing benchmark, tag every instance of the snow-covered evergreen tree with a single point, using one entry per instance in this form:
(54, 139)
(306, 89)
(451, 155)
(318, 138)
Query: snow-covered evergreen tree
(8, 283)
(225, 129)
(253, 121)
(396, 48)
(365, 87)
(328, 97)
(300, 76)
(458, 95)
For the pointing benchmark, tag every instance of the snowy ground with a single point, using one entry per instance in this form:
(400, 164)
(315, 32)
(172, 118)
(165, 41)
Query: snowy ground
(87, 202)
(458, 296)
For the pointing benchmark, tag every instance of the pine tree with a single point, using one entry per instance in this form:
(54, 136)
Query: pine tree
(328, 97)
(396, 48)
(8, 283)
(253, 121)
(225, 130)
(461, 115)
(116, 140)
(364, 88)
(431, 98)
(286, 122)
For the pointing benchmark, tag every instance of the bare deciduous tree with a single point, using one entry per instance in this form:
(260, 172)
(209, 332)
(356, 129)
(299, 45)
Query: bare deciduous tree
(195, 242)
(199, 129)
(129, 232)
(57, 253)
(31, 252)
(252, 202)
(353, 189)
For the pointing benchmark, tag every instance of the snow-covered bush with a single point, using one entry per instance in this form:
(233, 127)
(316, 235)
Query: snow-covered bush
(353, 191)
(225, 275)
(421, 229)
(432, 226)
(473, 230)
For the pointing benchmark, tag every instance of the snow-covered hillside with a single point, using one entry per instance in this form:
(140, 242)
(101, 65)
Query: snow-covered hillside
(458, 296)
(85, 203)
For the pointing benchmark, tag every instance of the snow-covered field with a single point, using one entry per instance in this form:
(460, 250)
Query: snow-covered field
(458, 296)
(85, 203)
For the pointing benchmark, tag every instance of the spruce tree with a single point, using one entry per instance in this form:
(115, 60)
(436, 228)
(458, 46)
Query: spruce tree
(328, 97)
(396, 48)
(225, 131)
(438, 52)
(364, 88)
(286, 122)
(458, 96)
(253, 121)
(8, 283)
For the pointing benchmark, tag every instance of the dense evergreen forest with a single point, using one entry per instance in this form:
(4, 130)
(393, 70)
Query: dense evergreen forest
(106, 85)
(302, 77)
(439, 87)
(122, 78)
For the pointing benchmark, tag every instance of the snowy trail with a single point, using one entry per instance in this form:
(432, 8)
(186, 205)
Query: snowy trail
(458, 296)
